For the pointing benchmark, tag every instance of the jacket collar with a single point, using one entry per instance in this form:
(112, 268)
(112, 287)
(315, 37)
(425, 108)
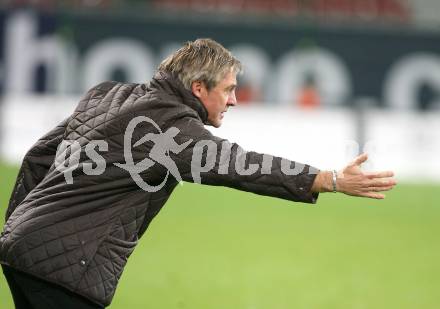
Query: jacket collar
(170, 83)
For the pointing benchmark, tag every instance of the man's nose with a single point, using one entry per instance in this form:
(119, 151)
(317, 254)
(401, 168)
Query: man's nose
(232, 100)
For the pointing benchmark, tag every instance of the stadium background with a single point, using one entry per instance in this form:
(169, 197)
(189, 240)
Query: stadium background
(328, 78)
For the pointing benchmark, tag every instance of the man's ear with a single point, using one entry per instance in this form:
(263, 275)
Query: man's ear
(197, 88)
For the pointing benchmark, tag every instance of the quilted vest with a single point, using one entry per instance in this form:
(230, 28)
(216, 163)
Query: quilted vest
(79, 233)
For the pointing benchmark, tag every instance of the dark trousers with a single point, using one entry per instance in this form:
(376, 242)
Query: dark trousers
(30, 292)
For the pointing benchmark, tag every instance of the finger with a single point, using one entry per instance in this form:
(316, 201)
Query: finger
(374, 195)
(382, 182)
(382, 174)
(360, 159)
(380, 189)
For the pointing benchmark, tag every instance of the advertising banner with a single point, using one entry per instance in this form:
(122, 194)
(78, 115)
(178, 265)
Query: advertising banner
(290, 64)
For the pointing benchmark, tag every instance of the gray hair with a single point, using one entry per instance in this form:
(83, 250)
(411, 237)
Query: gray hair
(202, 60)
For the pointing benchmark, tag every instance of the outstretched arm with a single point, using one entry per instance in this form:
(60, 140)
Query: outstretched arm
(351, 180)
(211, 160)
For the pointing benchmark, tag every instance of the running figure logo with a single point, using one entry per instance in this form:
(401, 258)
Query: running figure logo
(164, 143)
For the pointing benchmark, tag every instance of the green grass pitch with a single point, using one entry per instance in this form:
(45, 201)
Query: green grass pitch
(217, 248)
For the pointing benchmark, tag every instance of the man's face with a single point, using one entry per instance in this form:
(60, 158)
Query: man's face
(218, 99)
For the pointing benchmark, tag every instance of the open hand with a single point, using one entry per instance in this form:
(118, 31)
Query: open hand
(353, 181)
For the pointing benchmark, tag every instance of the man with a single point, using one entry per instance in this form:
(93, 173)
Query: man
(87, 191)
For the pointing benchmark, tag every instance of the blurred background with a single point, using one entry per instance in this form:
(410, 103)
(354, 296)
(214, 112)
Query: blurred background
(323, 81)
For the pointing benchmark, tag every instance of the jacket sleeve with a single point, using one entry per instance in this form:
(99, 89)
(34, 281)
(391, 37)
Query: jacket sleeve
(214, 161)
(35, 165)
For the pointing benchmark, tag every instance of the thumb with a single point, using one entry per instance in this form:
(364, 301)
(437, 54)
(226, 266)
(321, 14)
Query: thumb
(360, 159)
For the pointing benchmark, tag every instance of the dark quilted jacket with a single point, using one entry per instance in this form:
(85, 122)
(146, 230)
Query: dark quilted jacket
(80, 235)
